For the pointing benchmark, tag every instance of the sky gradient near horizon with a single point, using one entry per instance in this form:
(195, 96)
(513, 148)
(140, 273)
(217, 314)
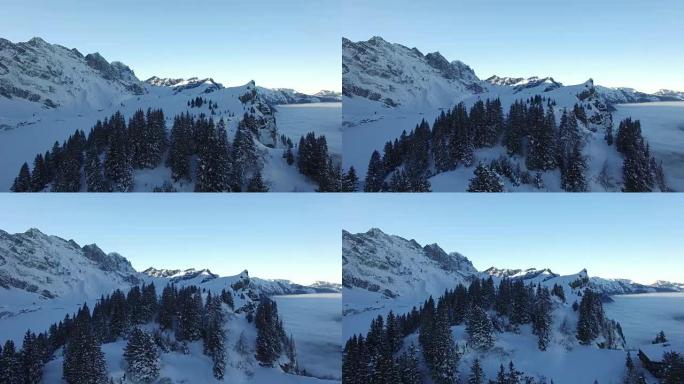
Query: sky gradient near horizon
(618, 43)
(274, 236)
(636, 237)
(279, 44)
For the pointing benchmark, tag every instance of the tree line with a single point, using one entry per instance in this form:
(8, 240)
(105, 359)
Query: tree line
(484, 309)
(196, 149)
(529, 130)
(183, 315)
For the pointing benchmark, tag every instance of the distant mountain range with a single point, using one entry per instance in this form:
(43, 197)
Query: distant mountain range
(397, 75)
(35, 267)
(393, 266)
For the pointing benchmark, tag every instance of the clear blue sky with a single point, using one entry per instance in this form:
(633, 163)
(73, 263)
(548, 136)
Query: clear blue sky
(294, 44)
(637, 237)
(633, 43)
(288, 236)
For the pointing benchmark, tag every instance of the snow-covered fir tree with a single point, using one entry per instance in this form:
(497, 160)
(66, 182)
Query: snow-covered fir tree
(142, 357)
(480, 329)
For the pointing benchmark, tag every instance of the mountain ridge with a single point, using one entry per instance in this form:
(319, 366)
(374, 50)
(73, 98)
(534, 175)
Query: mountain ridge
(369, 266)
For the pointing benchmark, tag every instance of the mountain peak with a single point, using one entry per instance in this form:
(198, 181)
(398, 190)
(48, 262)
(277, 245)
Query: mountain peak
(34, 232)
(377, 40)
(36, 41)
(376, 232)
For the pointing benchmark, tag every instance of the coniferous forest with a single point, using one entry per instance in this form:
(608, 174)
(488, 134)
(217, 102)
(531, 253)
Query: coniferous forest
(529, 131)
(383, 355)
(196, 149)
(150, 325)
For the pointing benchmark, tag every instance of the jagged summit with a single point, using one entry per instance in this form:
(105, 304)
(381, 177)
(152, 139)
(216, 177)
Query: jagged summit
(387, 264)
(397, 75)
(53, 75)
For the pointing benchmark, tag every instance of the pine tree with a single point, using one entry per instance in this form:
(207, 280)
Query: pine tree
(485, 180)
(521, 303)
(513, 376)
(572, 175)
(350, 181)
(476, 373)
(136, 139)
(117, 165)
(83, 359)
(541, 149)
(10, 365)
(673, 368)
(660, 338)
(189, 314)
(480, 329)
(407, 365)
(39, 176)
(375, 177)
(591, 317)
(439, 348)
(350, 361)
(95, 181)
(223, 157)
(256, 183)
(155, 138)
(244, 157)
(31, 359)
(541, 318)
(269, 332)
(181, 148)
(142, 357)
(22, 183)
(167, 308)
(501, 377)
(120, 320)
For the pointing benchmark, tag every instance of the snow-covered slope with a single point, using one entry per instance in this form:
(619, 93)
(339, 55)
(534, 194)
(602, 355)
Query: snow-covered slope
(212, 281)
(44, 277)
(48, 91)
(385, 264)
(382, 272)
(389, 88)
(290, 96)
(395, 75)
(35, 267)
(272, 96)
(374, 261)
(50, 75)
(677, 95)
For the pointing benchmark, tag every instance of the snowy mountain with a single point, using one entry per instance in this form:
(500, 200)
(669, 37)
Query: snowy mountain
(391, 283)
(382, 272)
(395, 75)
(205, 278)
(272, 96)
(39, 270)
(385, 264)
(51, 75)
(530, 273)
(45, 278)
(47, 92)
(674, 95)
(389, 88)
(290, 96)
(35, 267)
